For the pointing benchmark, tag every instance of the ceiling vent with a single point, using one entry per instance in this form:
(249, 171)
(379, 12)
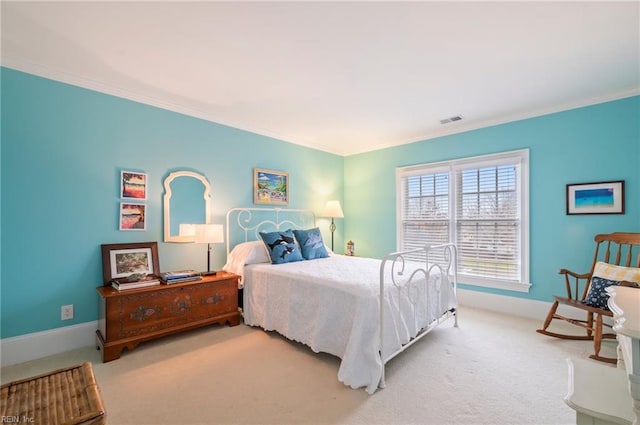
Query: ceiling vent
(451, 119)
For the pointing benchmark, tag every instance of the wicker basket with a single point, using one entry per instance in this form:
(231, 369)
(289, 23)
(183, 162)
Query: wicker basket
(68, 396)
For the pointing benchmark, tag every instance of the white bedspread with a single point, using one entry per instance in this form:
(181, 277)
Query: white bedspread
(331, 305)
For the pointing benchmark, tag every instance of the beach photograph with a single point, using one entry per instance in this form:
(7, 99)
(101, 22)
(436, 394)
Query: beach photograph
(132, 216)
(133, 185)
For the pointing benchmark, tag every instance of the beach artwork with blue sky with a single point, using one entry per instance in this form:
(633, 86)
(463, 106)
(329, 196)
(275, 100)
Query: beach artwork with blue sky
(594, 197)
(271, 187)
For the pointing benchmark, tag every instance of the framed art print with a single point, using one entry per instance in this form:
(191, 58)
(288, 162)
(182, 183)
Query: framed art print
(133, 185)
(596, 198)
(133, 216)
(124, 259)
(270, 187)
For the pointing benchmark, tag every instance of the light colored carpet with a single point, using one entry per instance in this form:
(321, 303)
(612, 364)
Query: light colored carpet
(493, 369)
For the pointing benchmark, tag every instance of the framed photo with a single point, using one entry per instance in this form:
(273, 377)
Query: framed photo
(133, 185)
(133, 216)
(596, 198)
(123, 259)
(270, 187)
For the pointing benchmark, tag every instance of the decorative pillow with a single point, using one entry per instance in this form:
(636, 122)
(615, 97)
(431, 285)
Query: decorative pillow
(282, 246)
(605, 275)
(311, 243)
(597, 296)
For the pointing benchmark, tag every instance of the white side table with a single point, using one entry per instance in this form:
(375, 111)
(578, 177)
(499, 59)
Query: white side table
(598, 393)
(624, 302)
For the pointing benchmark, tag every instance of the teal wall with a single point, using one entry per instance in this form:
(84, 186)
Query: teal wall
(63, 148)
(591, 144)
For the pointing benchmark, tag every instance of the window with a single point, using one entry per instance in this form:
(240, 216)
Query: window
(481, 204)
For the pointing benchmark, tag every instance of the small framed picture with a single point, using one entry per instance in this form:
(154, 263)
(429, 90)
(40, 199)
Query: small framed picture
(596, 198)
(133, 185)
(133, 216)
(124, 259)
(270, 187)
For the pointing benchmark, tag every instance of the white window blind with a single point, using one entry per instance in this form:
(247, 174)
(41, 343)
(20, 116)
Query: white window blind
(480, 204)
(488, 222)
(425, 210)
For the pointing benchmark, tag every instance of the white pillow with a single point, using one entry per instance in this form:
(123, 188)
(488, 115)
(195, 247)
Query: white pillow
(253, 252)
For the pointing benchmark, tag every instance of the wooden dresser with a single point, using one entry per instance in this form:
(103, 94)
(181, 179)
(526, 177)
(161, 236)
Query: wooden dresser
(132, 316)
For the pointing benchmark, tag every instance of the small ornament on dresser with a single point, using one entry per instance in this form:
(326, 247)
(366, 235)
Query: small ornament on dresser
(351, 248)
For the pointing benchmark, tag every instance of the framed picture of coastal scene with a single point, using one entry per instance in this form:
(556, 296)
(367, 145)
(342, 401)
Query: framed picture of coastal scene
(133, 185)
(596, 198)
(133, 216)
(270, 187)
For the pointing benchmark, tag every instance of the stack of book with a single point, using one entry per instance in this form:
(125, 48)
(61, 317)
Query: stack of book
(135, 281)
(180, 276)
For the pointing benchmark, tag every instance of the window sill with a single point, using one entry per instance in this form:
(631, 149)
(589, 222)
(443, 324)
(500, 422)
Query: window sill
(487, 283)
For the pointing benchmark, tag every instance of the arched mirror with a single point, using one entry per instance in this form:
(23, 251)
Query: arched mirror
(187, 199)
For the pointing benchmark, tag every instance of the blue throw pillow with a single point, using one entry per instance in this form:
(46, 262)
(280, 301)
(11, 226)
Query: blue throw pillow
(282, 246)
(311, 243)
(597, 296)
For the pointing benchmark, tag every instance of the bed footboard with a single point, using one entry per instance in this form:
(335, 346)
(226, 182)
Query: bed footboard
(424, 277)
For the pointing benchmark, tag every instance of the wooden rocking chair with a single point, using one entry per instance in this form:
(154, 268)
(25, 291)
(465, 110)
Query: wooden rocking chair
(615, 249)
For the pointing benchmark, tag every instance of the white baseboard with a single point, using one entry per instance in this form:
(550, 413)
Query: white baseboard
(514, 306)
(521, 307)
(36, 345)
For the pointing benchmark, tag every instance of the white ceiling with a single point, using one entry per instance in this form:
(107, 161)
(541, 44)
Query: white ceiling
(343, 77)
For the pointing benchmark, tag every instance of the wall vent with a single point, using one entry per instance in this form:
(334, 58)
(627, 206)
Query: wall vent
(451, 119)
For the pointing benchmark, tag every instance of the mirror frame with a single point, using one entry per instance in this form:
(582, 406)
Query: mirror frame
(167, 204)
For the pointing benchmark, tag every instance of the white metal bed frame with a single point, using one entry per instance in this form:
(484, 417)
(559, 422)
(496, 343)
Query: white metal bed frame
(396, 260)
(244, 217)
(393, 263)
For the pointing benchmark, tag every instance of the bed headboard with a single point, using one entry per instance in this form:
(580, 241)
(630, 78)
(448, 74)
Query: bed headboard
(245, 224)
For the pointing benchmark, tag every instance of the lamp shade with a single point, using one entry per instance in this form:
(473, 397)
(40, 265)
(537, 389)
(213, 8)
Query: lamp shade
(209, 233)
(187, 229)
(332, 209)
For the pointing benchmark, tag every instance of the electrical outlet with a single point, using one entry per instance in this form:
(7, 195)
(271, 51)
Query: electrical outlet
(66, 312)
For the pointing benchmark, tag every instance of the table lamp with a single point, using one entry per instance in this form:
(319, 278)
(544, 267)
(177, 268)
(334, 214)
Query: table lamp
(187, 231)
(333, 210)
(209, 234)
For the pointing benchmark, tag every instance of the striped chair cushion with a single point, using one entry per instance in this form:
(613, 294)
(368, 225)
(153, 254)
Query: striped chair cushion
(618, 273)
